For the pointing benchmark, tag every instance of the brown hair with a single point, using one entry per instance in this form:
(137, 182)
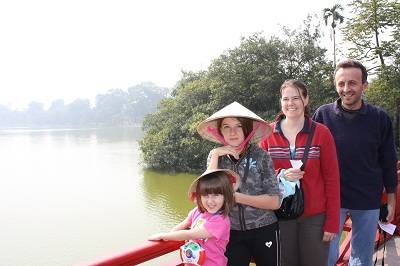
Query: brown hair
(215, 183)
(247, 125)
(349, 63)
(302, 89)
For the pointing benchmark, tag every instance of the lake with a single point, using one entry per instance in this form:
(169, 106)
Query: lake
(72, 196)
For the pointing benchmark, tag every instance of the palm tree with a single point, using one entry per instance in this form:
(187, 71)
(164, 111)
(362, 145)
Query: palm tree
(334, 14)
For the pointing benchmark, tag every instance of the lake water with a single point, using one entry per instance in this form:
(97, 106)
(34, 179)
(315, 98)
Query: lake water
(69, 197)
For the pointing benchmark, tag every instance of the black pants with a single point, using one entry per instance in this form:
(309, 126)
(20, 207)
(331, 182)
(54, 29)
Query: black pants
(261, 244)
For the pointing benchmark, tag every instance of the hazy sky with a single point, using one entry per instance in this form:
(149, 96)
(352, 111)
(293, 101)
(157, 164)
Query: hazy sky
(70, 49)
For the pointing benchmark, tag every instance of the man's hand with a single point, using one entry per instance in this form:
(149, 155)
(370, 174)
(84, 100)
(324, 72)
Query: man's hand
(391, 206)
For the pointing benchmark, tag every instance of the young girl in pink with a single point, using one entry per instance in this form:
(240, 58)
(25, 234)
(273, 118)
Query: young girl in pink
(207, 226)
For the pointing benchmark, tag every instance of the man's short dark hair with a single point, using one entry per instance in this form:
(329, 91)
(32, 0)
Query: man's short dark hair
(348, 63)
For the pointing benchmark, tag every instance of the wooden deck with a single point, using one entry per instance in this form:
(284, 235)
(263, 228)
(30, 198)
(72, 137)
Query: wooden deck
(392, 252)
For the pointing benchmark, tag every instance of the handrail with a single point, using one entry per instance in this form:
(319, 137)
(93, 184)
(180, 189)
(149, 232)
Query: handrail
(154, 249)
(143, 253)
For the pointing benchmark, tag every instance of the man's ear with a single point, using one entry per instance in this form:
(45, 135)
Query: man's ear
(365, 85)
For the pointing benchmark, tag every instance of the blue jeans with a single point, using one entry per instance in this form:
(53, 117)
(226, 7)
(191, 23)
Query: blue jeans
(363, 228)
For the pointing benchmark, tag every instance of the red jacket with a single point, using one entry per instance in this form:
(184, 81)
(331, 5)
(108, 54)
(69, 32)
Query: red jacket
(321, 179)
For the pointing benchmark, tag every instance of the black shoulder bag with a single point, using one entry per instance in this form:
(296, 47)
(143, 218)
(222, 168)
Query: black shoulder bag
(292, 206)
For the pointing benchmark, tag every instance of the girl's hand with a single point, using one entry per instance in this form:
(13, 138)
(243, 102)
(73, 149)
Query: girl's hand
(293, 174)
(225, 150)
(155, 237)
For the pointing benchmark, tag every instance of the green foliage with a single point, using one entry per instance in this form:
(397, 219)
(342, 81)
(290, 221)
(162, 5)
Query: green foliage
(250, 74)
(335, 16)
(371, 30)
(333, 13)
(385, 92)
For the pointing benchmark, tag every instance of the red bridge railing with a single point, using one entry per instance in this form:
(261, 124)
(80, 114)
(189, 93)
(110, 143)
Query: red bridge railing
(143, 253)
(155, 249)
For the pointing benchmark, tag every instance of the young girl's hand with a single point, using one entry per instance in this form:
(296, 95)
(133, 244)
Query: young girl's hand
(155, 237)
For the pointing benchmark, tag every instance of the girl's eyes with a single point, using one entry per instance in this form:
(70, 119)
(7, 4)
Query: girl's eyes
(297, 98)
(227, 129)
(211, 196)
(226, 126)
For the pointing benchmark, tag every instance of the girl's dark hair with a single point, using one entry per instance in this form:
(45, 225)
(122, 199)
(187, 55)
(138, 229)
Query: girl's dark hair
(247, 125)
(302, 89)
(216, 183)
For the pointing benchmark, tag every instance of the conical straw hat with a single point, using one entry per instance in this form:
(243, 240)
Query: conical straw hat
(208, 128)
(234, 178)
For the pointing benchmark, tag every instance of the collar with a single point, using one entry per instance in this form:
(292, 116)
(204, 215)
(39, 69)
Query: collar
(339, 110)
(306, 126)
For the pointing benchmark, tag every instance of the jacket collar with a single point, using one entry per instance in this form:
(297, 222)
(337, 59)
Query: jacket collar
(306, 126)
(338, 109)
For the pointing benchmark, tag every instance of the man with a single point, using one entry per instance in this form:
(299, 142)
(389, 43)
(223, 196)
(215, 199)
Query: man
(367, 159)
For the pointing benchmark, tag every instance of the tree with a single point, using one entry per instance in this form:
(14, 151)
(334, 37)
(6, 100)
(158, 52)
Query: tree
(79, 113)
(35, 114)
(57, 112)
(333, 13)
(111, 107)
(250, 74)
(371, 30)
(385, 92)
(143, 99)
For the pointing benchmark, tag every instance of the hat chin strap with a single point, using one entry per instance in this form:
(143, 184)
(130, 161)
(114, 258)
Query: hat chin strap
(244, 143)
(217, 135)
(221, 139)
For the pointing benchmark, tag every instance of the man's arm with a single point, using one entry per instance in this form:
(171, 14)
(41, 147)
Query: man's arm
(391, 206)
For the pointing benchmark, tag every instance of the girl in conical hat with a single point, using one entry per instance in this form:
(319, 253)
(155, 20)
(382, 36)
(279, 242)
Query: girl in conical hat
(254, 227)
(256, 128)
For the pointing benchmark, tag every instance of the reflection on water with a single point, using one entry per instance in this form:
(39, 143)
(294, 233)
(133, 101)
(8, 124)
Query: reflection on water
(77, 195)
(166, 195)
(109, 134)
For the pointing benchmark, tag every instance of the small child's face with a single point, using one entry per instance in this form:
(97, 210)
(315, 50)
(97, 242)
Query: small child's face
(212, 202)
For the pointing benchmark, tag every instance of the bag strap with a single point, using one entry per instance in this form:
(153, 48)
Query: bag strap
(308, 144)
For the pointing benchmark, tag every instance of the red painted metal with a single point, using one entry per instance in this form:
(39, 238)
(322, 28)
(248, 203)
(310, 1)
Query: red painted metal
(145, 252)
(154, 249)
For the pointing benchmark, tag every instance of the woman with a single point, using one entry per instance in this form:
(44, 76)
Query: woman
(254, 228)
(305, 240)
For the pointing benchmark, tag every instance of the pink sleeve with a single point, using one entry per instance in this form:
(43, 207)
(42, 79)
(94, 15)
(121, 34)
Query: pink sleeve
(218, 226)
(192, 214)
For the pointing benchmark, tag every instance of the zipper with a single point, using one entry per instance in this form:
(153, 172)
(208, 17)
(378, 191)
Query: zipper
(242, 220)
